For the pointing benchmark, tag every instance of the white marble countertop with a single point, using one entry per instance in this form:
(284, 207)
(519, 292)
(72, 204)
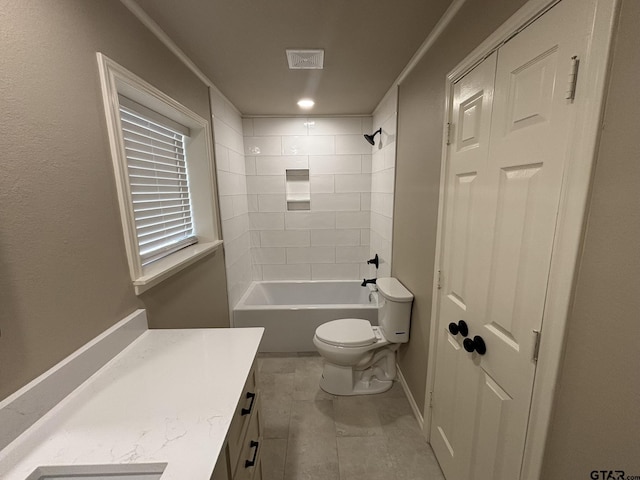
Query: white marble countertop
(169, 397)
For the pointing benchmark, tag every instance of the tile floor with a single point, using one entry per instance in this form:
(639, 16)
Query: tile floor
(311, 435)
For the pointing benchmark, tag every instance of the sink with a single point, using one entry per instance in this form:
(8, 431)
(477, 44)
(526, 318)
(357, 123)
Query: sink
(137, 471)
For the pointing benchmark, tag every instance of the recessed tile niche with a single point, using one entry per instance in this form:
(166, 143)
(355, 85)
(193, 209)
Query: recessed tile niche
(298, 190)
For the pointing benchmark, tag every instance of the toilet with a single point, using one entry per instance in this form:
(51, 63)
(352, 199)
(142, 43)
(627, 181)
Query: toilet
(360, 359)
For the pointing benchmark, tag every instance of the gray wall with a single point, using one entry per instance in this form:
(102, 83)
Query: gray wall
(597, 415)
(420, 120)
(63, 268)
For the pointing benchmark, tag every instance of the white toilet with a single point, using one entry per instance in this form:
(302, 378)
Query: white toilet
(359, 358)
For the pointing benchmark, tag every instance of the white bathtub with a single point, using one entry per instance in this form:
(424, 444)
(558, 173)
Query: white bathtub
(291, 311)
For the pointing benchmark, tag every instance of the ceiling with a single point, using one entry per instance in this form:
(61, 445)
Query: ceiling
(240, 45)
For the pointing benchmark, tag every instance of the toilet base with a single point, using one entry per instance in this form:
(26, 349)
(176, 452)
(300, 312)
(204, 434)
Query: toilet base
(339, 380)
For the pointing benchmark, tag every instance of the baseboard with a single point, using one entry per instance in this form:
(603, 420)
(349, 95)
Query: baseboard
(412, 401)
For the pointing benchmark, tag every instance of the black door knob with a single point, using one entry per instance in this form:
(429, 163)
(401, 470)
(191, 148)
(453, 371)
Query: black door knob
(463, 328)
(459, 328)
(477, 345)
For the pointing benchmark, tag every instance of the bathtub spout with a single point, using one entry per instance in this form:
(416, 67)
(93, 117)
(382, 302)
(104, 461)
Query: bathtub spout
(365, 281)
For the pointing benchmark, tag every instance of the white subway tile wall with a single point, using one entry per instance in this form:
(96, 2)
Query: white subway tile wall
(322, 183)
(271, 203)
(266, 221)
(353, 220)
(262, 145)
(285, 238)
(309, 221)
(352, 188)
(383, 165)
(268, 256)
(231, 170)
(336, 202)
(332, 239)
(286, 272)
(334, 271)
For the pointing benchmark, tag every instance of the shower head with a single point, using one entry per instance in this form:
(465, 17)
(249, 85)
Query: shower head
(369, 138)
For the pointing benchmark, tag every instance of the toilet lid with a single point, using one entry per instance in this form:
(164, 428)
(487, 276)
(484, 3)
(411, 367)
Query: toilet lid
(347, 332)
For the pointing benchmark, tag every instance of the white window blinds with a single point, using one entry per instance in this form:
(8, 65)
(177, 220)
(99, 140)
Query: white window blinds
(157, 166)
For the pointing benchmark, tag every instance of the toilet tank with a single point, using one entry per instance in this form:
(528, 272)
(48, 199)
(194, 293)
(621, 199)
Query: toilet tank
(394, 313)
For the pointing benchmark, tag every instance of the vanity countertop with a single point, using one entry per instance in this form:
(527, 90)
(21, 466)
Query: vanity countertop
(168, 397)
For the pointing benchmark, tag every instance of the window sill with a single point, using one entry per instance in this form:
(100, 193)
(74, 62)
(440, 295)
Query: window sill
(168, 266)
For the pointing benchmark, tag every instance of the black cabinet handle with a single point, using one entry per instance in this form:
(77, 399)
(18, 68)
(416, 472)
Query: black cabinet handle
(247, 411)
(252, 462)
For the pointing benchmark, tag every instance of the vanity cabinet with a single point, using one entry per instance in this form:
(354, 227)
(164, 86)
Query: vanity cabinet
(240, 458)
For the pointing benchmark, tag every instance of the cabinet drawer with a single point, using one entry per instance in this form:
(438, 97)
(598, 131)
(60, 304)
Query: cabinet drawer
(246, 406)
(248, 466)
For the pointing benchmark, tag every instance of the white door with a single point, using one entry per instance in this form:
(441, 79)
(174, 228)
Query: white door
(455, 383)
(511, 131)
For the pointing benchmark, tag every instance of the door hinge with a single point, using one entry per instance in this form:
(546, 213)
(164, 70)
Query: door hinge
(430, 399)
(536, 345)
(448, 133)
(439, 279)
(573, 79)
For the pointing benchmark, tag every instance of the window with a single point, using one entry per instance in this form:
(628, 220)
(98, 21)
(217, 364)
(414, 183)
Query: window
(162, 156)
(157, 167)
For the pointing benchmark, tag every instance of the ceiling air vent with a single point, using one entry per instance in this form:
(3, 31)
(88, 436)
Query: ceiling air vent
(305, 59)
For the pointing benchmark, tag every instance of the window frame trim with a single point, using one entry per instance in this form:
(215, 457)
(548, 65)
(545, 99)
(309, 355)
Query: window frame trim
(116, 80)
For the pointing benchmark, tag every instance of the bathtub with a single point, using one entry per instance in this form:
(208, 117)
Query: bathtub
(291, 311)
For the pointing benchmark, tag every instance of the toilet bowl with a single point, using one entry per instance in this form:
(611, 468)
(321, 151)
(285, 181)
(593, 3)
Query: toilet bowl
(359, 358)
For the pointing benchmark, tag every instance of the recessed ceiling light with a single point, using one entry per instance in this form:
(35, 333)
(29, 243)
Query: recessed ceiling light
(306, 103)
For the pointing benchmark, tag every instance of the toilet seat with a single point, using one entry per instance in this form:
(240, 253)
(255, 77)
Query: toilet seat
(347, 332)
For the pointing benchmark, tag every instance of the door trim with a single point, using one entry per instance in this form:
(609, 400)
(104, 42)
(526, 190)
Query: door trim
(571, 214)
